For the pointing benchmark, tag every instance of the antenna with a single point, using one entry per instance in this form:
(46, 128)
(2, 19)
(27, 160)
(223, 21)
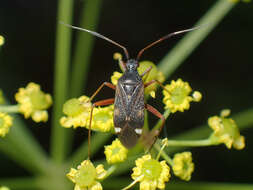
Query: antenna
(164, 38)
(99, 36)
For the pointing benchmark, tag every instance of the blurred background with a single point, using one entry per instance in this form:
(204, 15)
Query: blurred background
(221, 67)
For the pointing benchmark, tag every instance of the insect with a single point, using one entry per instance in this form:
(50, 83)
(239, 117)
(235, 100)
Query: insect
(129, 102)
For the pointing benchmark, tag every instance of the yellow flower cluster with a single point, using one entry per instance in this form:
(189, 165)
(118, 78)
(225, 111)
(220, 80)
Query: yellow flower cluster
(226, 131)
(77, 111)
(151, 173)
(176, 96)
(183, 166)
(78, 115)
(86, 175)
(5, 124)
(33, 102)
(115, 152)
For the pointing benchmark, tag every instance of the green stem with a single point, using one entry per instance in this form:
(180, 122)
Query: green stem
(163, 154)
(59, 142)
(192, 143)
(20, 146)
(20, 183)
(111, 170)
(84, 46)
(191, 40)
(9, 108)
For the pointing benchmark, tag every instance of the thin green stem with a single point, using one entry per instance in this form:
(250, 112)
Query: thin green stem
(111, 170)
(191, 40)
(59, 142)
(163, 154)
(84, 46)
(192, 143)
(20, 183)
(9, 108)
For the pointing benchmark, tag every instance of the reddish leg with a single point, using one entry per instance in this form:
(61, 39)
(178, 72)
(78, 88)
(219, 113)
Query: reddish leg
(159, 115)
(98, 103)
(101, 86)
(146, 71)
(154, 81)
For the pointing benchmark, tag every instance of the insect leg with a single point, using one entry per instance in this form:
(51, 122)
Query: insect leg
(154, 81)
(98, 103)
(110, 85)
(159, 115)
(146, 71)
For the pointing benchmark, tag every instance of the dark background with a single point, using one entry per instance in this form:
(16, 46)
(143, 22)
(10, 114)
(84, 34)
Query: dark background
(221, 67)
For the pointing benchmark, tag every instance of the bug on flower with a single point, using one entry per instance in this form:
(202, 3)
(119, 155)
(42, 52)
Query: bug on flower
(129, 104)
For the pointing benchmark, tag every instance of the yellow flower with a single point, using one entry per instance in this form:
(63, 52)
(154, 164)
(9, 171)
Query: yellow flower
(4, 188)
(176, 96)
(102, 119)
(153, 74)
(85, 176)
(78, 115)
(115, 77)
(1, 97)
(77, 111)
(151, 173)
(33, 102)
(183, 166)
(1, 40)
(115, 152)
(226, 131)
(5, 124)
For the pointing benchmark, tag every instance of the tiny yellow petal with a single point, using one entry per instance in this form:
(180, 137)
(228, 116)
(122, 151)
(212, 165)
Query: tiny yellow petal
(39, 116)
(225, 113)
(239, 143)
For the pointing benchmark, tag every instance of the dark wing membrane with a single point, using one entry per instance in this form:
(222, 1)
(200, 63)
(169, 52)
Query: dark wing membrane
(137, 107)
